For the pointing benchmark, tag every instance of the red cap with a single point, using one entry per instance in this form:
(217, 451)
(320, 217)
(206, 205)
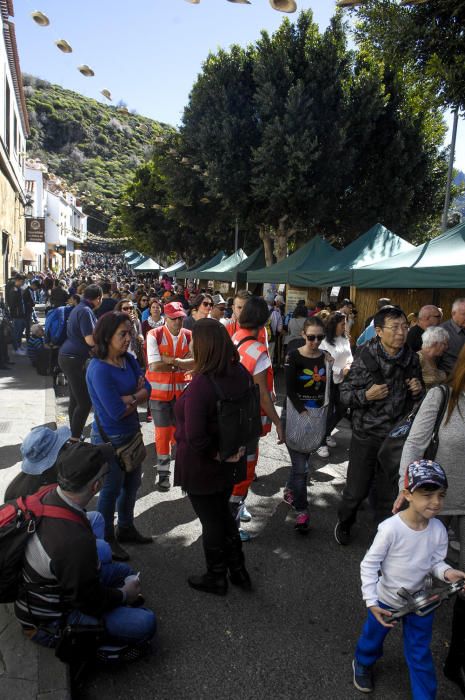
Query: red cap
(174, 310)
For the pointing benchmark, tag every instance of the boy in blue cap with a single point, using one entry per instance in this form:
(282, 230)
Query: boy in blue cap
(408, 547)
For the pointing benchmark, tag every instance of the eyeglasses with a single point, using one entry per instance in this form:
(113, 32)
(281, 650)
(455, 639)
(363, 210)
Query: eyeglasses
(207, 303)
(312, 338)
(143, 299)
(397, 329)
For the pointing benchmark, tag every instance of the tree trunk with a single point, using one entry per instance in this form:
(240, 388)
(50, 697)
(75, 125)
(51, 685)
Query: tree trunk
(281, 237)
(265, 236)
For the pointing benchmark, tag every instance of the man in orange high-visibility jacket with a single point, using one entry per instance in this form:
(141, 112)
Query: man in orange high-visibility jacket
(169, 360)
(232, 324)
(254, 356)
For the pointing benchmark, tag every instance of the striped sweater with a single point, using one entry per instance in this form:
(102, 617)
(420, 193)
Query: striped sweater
(61, 572)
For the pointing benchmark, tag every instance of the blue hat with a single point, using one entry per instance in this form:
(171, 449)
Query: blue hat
(41, 447)
(422, 472)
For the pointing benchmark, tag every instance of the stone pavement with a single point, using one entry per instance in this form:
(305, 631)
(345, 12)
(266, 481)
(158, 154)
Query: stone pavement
(27, 672)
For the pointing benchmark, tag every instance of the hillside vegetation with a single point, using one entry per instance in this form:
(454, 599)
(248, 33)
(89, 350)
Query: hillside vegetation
(95, 147)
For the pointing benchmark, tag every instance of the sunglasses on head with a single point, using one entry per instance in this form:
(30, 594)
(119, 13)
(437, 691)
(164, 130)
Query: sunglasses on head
(312, 338)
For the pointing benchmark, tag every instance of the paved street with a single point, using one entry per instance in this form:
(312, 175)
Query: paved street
(292, 637)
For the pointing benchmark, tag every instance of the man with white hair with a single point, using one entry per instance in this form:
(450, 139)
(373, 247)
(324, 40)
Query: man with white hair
(428, 315)
(456, 329)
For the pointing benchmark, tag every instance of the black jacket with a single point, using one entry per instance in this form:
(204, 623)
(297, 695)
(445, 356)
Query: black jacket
(376, 418)
(15, 301)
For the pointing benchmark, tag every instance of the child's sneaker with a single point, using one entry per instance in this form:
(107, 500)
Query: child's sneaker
(302, 522)
(288, 497)
(245, 516)
(363, 677)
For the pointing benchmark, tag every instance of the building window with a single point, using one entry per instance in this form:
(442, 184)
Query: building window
(7, 117)
(15, 132)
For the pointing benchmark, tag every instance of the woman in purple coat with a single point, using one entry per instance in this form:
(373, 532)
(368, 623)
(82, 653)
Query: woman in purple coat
(207, 481)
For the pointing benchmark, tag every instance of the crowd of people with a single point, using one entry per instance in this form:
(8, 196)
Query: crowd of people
(172, 350)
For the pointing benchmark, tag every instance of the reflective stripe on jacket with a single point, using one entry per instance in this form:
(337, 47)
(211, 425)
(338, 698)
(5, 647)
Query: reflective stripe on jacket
(169, 385)
(249, 352)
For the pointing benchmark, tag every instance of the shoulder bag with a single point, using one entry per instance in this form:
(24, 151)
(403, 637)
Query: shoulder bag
(305, 431)
(130, 455)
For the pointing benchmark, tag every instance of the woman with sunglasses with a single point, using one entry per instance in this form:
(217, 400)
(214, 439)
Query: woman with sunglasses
(338, 345)
(308, 374)
(200, 307)
(142, 303)
(137, 338)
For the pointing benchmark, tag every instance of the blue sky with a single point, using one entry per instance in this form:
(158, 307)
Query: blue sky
(146, 52)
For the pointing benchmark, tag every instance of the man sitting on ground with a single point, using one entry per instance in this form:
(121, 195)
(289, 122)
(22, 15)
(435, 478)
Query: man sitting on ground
(62, 581)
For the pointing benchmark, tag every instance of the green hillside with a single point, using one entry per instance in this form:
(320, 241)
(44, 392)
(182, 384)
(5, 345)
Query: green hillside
(95, 147)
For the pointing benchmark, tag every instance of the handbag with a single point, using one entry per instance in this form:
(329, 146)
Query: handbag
(130, 455)
(305, 431)
(390, 452)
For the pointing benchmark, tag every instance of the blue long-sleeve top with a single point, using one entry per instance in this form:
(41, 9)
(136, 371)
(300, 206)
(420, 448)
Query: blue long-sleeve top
(107, 384)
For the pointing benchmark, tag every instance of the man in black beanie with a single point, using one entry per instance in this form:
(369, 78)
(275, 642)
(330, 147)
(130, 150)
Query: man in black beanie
(62, 581)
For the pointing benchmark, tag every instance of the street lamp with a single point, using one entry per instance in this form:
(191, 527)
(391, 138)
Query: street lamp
(28, 207)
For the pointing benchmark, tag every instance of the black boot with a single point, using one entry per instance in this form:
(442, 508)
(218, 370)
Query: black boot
(131, 534)
(455, 661)
(235, 561)
(117, 551)
(214, 581)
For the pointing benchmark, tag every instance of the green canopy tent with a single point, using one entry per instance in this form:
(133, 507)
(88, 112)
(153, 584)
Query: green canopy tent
(137, 261)
(148, 265)
(376, 244)
(315, 254)
(218, 271)
(133, 256)
(439, 263)
(129, 253)
(174, 268)
(206, 263)
(254, 262)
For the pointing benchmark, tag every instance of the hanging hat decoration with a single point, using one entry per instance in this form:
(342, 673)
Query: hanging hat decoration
(63, 45)
(193, 2)
(106, 93)
(40, 18)
(241, 2)
(86, 70)
(284, 5)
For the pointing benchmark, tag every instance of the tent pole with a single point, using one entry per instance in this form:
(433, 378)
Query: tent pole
(449, 171)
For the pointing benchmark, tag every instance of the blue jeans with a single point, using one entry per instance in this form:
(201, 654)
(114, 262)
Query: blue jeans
(298, 477)
(119, 489)
(97, 524)
(19, 324)
(124, 626)
(417, 633)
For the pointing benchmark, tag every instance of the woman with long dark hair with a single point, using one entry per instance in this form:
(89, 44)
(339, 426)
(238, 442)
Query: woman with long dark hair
(199, 471)
(337, 345)
(117, 387)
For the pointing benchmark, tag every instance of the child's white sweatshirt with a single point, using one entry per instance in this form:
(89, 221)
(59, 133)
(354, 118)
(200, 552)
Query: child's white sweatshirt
(405, 557)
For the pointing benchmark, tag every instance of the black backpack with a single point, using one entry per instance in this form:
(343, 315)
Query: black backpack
(239, 418)
(18, 521)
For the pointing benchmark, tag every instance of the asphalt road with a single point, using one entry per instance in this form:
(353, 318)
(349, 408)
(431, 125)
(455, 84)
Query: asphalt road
(294, 636)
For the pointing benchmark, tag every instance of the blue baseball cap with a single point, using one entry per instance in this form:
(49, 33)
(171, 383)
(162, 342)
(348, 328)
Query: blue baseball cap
(41, 447)
(422, 472)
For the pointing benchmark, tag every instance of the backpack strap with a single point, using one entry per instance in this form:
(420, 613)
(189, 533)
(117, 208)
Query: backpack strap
(445, 391)
(244, 340)
(372, 366)
(34, 504)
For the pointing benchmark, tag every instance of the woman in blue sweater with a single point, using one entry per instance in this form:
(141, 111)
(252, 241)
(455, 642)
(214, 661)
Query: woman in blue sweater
(117, 386)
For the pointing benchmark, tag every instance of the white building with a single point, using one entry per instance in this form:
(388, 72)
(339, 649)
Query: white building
(60, 223)
(14, 129)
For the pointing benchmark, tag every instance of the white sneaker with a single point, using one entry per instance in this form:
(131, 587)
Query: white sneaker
(323, 451)
(331, 442)
(20, 351)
